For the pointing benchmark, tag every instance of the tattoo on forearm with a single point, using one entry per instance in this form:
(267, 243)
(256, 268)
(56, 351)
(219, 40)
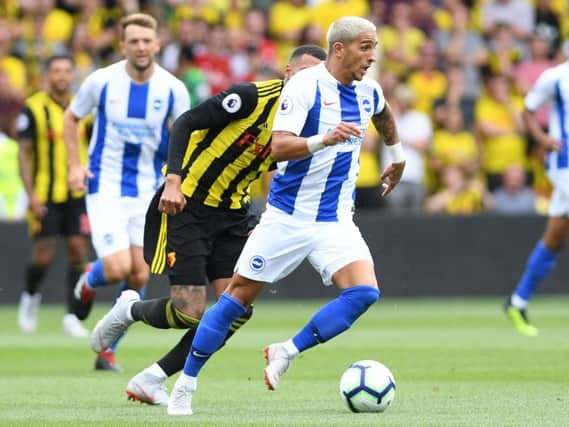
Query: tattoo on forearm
(384, 122)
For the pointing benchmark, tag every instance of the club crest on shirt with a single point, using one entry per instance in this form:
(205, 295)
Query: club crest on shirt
(286, 105)
(257, 263)
(366, 104)
(157, 104)
(231, 103)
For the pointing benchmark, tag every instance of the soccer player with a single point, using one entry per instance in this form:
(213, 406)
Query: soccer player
(216, 150)
(53, 209)
(323, 114)
(553, 87)
(134, 101)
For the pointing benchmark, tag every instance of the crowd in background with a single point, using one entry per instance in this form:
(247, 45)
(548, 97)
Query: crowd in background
(454, 72)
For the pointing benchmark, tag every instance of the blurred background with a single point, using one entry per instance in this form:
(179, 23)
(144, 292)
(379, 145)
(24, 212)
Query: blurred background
(454, 71)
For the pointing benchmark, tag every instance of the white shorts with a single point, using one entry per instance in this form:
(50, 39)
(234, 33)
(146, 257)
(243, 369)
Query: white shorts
(117, 223)
(280, 243)
(559, 203)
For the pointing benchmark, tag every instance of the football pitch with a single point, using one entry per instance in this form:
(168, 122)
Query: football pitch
(457, 362)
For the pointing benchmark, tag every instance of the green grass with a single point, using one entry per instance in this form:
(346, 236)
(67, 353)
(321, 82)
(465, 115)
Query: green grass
(457, 362)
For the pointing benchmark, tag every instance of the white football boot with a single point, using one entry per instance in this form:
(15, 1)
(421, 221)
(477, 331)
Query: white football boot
(180, 402)
(72, 326)
(115, 322)
(278, 361)
(146, 387)
(28, 312)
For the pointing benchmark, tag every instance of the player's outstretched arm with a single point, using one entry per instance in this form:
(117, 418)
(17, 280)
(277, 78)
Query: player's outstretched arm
(384, 123)
(287, 146)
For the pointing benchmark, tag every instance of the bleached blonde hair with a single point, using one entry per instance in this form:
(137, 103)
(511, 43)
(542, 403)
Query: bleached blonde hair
(347, 29)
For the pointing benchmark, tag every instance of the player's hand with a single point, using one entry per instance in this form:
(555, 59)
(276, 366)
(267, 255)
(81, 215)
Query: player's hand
(551, 144)
(37, 207)
(172, 200)
(342, 132)
(391, 177)
(77, 178)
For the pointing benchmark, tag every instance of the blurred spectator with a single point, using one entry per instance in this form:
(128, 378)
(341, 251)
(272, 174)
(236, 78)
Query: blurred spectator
(459, 195)
(427, 82)
(547, 25)
(499, 125)
(454, 146)
(13, 201)
(11, 102)
(193, 77)
(513, 197)
(102, 28)
(187, 35)
(250, 46)
(517, 14)
(400, 41)
(455, 97)
(214, 60)
(415, 132)
(79, 48)
(463, 47)
(287, 19)
(505, 51)
(9, 64)
(327, 11)
(422, 16)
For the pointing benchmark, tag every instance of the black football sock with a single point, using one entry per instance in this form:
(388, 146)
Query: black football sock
(34, 276)
(74, 271)
(162, 314)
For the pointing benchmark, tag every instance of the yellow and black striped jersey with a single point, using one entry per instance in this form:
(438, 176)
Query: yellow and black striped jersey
(223, 145)
(41, 122)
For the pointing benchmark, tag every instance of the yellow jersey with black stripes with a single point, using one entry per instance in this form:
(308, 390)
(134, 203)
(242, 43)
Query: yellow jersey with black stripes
(41, 122)
(229, 144)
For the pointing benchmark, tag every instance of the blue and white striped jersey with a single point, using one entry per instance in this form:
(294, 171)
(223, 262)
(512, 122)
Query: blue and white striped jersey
(553, 86)
(321, 187)
(130, 135)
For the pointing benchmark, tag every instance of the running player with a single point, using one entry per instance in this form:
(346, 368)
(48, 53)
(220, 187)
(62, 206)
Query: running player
(324, 112)
(216, 150)
(53, 210)
(134, 99)
(552, 87)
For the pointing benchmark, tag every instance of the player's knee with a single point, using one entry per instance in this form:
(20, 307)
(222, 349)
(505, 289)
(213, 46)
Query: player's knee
(362, 296)
(138, 279)
(189, 300)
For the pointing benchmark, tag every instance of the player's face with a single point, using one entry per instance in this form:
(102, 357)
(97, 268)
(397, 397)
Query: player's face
(60, 76)
(139, 46)
(298, 64)
(359, 55)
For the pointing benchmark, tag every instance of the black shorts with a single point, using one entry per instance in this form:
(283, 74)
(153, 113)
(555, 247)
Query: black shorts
(62, 219)
(196, 246)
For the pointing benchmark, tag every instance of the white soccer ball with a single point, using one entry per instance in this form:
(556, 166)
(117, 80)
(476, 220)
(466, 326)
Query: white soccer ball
(367, 386)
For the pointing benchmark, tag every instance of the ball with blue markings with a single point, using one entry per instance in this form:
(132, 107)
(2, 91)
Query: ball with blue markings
(367, 386)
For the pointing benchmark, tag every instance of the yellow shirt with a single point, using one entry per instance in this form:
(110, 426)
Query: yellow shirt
(285, 17)
(390, 39)
(427, 89)
(454, 148)
(467, 202)
(15, 70)
(328, 11)
(498, 152)
(58, 26)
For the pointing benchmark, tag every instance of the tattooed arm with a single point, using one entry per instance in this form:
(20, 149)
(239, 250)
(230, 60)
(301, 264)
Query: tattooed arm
(384, 123)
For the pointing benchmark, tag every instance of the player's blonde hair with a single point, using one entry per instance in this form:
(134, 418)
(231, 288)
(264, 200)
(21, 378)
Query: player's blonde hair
(347, 29)
(140, 19)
